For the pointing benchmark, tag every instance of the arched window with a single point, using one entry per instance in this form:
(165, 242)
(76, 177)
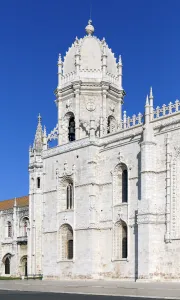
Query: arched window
(124, 185)
(120, 183)
(7, 265)
(71, 129)
(70, 249)
(111, 124)
(9, 229)
(120, 240)
(124, 240)
(69, 196)
(66, 242)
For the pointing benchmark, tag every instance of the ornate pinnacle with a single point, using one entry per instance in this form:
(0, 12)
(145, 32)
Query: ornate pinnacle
(120, 60)
(147, 100)
(151, 93)
(39, 119)
(104, 50)
(59, 60)
(44, 133)
(38, 141)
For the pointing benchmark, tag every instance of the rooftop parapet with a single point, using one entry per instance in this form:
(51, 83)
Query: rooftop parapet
(166, 110)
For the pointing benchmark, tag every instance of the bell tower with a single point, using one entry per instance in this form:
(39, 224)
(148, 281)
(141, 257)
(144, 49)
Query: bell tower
(89, 88)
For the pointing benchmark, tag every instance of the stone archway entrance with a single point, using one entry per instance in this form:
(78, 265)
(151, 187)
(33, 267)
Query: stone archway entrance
(24, 266)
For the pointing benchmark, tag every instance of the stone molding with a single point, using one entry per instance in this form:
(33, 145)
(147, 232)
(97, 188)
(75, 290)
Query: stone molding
(67, 147)
(150, 218)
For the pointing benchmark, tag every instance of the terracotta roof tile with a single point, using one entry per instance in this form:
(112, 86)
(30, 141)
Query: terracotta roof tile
(21, 201)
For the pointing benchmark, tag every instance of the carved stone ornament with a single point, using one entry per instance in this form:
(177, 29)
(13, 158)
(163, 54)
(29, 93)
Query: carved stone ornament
(53, 134)
(90, 103)
(66, 172)
(68, 105)
(112, 107)
(120, 157)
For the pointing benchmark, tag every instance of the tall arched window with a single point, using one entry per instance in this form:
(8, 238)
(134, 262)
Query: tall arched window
(66, 242)
(71, 129)
(69, 196)
(9, 229)
(124, 240)
(120, 240)
(7, 265)
(124, 185)
(70, 249)
(120, 184)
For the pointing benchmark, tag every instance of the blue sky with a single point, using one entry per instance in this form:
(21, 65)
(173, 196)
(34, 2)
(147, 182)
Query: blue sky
(32, 32)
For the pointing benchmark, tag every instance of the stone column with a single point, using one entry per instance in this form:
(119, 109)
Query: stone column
(147, 209)
(77, 105)
(104, 105)
(59, 105)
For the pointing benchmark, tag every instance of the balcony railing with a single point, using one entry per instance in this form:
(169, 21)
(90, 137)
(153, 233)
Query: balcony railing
(22, 240)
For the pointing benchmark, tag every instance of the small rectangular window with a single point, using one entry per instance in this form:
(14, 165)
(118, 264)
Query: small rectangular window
(38, 183)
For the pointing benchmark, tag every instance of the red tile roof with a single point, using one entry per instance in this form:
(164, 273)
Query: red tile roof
(21, 201)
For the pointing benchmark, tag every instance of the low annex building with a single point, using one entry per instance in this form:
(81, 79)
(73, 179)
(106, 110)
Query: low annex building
(104, 202)
(14, 220)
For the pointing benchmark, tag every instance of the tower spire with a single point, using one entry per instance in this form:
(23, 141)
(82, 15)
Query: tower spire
(38, 141)
(151, 100)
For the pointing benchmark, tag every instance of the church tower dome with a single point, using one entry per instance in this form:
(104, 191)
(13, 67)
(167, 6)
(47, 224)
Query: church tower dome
(85, 57)
(89, 88)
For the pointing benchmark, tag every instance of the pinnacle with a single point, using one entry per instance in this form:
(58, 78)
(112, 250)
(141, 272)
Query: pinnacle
(147, 100)
(120, 60)
(38, 136)
(151, 93)
(39, 119)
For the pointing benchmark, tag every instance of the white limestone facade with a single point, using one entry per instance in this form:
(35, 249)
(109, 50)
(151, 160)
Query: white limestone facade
(14, 222)
(104, 202)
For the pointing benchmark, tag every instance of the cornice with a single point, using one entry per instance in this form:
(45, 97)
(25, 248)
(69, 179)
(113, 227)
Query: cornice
(69, 147)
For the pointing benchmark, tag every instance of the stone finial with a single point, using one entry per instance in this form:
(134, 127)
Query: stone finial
(39, 119)
(89, 28)
(59, 60)
(120, 60)
(147, 110)
(44, 139)
(15, 202)
(151, 103)
(44, 132)
(147, 100)
(151, 93)
(38, 141)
